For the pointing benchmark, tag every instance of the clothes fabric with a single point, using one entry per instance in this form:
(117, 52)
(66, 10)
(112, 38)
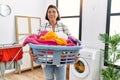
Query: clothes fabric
(34, 38)
(51, 70)
(60, 27)
(51, 35)
(62, 35)
(7, 54)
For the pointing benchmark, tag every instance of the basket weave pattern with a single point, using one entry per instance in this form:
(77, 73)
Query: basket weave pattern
(55, 55)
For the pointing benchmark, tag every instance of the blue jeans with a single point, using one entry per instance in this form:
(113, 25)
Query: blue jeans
(58, 71)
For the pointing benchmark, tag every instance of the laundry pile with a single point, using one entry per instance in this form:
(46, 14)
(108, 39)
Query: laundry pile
(51, 38)
(45, 44)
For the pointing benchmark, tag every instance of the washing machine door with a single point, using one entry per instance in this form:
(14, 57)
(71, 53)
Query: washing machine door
(81, 68)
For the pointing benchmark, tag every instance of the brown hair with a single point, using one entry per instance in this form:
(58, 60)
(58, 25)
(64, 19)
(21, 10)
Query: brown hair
(52, 6)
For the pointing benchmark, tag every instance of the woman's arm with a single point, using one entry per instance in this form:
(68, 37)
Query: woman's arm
(33, 56)
(66, 30)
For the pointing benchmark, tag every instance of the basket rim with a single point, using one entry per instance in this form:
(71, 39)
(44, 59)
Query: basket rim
(53, 47)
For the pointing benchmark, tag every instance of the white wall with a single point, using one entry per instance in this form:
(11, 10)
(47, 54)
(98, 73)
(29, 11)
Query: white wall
(93, 22)
(35, 8)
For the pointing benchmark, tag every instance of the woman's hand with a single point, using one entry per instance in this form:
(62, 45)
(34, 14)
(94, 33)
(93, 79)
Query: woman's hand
(33, 56)
(77, 58)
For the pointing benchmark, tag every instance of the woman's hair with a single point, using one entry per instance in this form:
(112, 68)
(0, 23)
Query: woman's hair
(52, 6)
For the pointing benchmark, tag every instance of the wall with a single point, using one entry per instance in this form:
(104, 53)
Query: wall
(93, 22)
(35, 8)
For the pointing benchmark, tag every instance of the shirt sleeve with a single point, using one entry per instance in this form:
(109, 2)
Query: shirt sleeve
(66, 30)
(42, 27)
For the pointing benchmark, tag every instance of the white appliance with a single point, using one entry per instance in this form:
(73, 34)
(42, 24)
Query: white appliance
(88, 66)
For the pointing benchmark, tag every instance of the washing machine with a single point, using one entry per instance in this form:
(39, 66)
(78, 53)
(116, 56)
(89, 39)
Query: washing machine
(87, 67)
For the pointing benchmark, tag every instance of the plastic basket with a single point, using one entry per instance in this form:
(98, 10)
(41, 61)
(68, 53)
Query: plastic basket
(54, 55)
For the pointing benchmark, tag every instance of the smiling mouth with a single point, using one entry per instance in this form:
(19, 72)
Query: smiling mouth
(51, 17)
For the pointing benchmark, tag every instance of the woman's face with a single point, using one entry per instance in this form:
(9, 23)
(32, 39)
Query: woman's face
(52, 14)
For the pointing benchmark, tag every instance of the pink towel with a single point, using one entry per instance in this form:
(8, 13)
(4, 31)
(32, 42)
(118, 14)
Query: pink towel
(34, 38)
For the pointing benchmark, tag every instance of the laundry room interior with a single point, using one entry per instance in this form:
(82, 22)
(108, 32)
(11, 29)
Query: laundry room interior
(94, 28)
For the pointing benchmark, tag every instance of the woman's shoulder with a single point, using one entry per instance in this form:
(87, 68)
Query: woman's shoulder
(45, 24)
(60, 23)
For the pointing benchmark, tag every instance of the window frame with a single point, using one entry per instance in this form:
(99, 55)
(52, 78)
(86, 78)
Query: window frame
(75, 16)
(109, 15)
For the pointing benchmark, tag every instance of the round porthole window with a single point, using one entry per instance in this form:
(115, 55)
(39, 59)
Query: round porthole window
(5, 10)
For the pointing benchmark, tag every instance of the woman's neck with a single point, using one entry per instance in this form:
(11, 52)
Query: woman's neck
(53, 23)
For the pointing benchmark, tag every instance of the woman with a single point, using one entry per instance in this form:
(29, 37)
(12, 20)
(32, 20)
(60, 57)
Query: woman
(52, 15)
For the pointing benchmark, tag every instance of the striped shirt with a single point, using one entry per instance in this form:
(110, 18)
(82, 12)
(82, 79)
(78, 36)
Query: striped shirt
(59, 27)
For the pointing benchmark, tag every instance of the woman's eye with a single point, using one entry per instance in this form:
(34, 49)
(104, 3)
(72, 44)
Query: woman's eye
(54, 12)
(49, 12)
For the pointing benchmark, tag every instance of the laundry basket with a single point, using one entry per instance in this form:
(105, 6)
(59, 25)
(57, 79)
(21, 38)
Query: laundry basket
(55, 55)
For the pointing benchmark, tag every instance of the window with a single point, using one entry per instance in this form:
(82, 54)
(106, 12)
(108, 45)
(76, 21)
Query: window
(71, 15)
(113, 19)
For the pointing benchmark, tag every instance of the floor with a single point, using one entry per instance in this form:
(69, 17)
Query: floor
(36, 74)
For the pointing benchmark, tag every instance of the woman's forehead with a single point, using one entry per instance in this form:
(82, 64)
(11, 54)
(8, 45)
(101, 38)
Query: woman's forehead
(52, 9)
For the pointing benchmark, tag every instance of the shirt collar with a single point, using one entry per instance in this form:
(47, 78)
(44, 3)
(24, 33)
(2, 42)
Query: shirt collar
(48, 24)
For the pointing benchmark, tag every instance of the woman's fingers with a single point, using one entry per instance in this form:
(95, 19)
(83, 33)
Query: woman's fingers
(33, 56)
(77, 58)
